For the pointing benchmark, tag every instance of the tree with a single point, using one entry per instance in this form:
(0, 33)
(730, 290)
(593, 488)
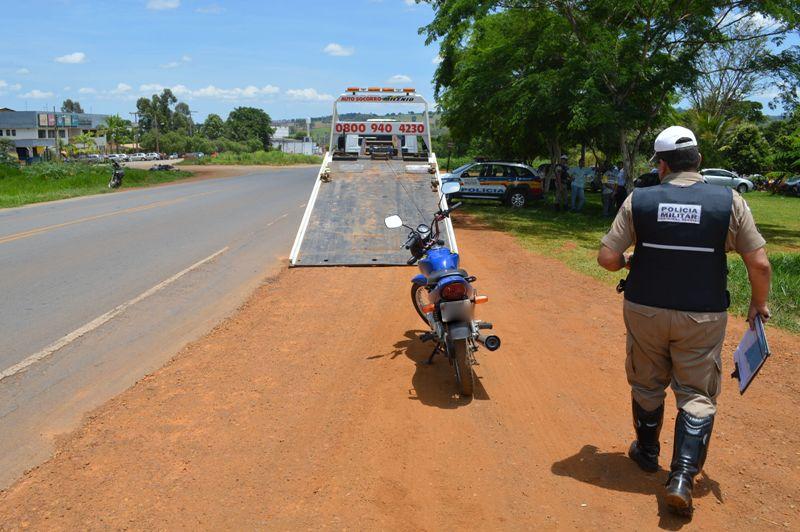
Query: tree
(214, 127)
(747, 150)
(83, 143)
(117, 131)
(635, 55)
(245, 123)
(71, 107)
(181, 119)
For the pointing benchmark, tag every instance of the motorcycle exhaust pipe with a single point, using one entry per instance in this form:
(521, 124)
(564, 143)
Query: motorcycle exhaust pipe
(490, 342)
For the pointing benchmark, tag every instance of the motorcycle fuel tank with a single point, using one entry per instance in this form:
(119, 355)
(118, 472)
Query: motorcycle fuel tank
(438, 259)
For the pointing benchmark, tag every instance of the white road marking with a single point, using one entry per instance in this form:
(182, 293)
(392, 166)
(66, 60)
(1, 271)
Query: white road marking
(100, 320)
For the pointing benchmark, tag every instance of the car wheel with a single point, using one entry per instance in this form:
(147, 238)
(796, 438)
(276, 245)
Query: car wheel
(517, 199)
(742, 188)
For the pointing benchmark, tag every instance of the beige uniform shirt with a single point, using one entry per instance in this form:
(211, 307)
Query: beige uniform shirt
(743, 236)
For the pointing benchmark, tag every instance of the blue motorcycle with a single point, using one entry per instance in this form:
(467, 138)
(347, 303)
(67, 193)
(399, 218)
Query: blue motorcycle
(443, 296)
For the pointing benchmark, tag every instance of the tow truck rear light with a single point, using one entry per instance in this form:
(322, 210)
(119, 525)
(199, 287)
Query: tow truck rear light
(454, 291)
(408, 90)
(352, 89)
(374, 89)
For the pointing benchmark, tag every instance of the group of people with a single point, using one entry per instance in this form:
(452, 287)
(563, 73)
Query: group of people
(569, 185)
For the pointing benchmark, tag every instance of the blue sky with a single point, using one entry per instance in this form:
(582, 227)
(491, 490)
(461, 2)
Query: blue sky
(288, 57)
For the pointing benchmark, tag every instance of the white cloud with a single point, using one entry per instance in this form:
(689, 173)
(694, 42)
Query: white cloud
(175, 64)
(72, 59)
(211, 9)
(309, 95)
(3, 83)
(236, 93)
(410, 2)
(762, 22)
(437, 59)
(160, 5)
(338, 50)
(15, 87)
(122, 88)
(87, 90)
(399, 78)
(23, 71)
(36, 94)
(151, 87)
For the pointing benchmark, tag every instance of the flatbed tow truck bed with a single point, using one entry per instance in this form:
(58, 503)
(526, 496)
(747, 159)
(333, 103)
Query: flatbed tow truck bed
(344, 220)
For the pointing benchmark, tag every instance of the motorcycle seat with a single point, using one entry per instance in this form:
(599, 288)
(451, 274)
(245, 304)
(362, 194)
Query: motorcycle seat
(435, 277)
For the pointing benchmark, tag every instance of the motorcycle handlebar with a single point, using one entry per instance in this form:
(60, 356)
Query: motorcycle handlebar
(411, 261)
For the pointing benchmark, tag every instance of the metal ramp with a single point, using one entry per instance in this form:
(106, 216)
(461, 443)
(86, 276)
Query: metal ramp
(343, 224)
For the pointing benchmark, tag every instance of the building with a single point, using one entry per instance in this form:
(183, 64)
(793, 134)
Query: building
(34, 133)
(305, 147)
(281, 132)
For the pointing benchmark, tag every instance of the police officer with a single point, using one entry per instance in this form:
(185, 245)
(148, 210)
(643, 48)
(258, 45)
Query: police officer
(676, 300)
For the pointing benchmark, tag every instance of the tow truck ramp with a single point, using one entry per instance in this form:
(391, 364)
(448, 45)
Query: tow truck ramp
(355, 190)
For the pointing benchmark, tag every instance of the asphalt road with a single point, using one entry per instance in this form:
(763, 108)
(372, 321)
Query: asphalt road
(96, 292)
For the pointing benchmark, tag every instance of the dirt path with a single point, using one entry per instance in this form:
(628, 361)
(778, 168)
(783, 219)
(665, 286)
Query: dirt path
(309, 410)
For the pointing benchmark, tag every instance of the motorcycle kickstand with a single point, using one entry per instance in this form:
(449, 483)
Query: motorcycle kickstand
(430, 358)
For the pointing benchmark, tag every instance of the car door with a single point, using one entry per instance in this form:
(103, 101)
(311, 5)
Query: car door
(469, 178)
(713, 178)
(729, 179)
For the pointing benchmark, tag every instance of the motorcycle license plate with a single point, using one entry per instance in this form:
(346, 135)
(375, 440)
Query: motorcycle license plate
(456, 310)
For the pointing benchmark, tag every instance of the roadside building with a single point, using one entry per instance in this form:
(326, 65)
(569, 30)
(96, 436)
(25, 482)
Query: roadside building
(305, 147)
(281, 132)
(34, 133)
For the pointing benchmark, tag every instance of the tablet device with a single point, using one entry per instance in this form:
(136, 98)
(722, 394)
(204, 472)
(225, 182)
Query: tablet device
(751, 354)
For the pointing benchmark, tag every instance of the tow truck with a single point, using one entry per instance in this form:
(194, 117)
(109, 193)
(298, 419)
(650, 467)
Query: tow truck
(372, 169)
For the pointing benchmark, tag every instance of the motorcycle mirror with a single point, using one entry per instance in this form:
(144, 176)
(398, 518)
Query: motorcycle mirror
(393, 222)
(451, 187)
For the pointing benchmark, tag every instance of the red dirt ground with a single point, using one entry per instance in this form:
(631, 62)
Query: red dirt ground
(309, 409)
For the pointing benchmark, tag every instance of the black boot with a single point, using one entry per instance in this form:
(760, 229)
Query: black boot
(644, 450)
(692, 435)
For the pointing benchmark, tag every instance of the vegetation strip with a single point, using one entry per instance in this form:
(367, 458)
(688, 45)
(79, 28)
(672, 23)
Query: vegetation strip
(574, 239)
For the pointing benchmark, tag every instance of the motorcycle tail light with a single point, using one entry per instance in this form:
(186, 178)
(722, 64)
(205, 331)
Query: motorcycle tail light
(428, 308)
(454, 291)
(481, 299)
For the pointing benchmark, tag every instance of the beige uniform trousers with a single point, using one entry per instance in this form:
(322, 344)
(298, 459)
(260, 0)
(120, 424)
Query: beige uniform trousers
(677, 348)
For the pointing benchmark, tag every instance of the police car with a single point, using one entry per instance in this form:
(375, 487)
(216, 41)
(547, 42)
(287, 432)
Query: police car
(514, 184)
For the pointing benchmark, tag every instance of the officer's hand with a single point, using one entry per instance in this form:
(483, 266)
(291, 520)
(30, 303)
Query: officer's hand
(628, 256)
(756, 310)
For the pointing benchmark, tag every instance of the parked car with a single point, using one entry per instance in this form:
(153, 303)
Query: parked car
(173, 156)
(791, 186)
(726, 178)
(152, 156)
(119, 157)
(514, 184)
(137, 157)
(650, 179)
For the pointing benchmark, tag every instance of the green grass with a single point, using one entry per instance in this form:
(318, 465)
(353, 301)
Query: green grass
(54, 181)
(271, 158)
(575, 238)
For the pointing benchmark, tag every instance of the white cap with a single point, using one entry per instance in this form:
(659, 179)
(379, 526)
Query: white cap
(674, 138)
(563, 156)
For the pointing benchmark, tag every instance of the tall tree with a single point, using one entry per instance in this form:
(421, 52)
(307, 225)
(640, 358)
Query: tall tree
(70, 106)
(245, 123)
(636, 55)
(214, 126)
(117, 131)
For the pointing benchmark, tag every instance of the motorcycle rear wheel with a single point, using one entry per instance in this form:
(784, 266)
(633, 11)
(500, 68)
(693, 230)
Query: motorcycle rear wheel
(419, 298)
(465, 377)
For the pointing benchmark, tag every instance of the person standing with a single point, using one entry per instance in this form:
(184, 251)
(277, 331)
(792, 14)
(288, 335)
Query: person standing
(561, 177)
(609, 188)
(621, 191)
(676, 299)
(578, 194)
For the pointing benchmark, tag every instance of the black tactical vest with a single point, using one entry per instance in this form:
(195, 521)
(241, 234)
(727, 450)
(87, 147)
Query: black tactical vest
(679, 261)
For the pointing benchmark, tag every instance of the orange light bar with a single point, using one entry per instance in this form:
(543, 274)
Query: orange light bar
(374, 89)
(408, 90)
(428, 308)
(387, 89)
(352, 89)
(481, 299)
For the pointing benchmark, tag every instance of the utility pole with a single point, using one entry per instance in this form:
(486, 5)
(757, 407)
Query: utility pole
(136, 127)
(55, 131)
(191, 123)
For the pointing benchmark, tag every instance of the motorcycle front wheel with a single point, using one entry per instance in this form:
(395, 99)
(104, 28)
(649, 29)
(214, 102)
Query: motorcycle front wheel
(419, 298)
(465, 378)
